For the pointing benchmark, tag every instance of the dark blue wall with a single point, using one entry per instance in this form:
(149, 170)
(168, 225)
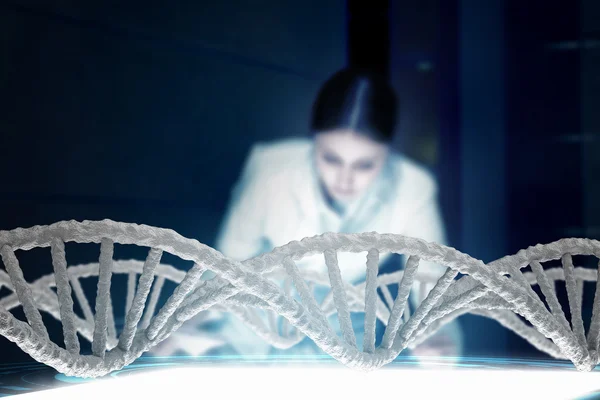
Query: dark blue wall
(146, 114)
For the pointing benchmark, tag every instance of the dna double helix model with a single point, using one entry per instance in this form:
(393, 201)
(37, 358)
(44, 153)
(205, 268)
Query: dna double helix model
(498, 290)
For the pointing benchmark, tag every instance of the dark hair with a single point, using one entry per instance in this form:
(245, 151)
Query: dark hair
(354, 99)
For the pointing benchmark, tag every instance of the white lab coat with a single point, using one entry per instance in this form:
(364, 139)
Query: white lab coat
(278, 199)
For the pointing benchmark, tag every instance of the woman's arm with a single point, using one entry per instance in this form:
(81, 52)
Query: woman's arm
(240, 236)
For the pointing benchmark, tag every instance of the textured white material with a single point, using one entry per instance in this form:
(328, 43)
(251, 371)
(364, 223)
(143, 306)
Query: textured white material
(135, 307)
(102, 298)
(246, 288)
(371, 300)
(65, 300)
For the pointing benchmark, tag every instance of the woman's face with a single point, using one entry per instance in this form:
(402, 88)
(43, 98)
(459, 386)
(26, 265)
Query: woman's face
(347, 162)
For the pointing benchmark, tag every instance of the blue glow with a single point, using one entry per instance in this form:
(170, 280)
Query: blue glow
(71, 379)
(15, 388)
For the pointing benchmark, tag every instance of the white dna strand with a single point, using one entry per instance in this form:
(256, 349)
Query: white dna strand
(498, 290)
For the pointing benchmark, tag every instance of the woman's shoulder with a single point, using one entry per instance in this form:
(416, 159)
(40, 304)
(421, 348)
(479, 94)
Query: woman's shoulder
(412, 174)
(278, 156)
(284, 149)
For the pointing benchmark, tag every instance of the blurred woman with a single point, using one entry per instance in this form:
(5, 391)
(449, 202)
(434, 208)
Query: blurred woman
(344, 178)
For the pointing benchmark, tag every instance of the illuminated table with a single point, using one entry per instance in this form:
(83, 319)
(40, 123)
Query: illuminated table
(297, 378)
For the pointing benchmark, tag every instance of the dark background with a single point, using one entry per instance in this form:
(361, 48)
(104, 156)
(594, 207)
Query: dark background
(145, 113)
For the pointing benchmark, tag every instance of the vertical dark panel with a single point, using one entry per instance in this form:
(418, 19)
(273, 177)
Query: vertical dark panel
(543, 121)
(483, 158)
(590, 117)
(413, 46)
(368, 35)
(543, 114)
(448, 172)
(482, 128)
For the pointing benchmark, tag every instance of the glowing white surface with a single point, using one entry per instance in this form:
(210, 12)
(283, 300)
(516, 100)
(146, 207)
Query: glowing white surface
(333, 382)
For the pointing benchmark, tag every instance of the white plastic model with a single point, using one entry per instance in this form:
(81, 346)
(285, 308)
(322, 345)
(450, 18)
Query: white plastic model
(497, 290)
